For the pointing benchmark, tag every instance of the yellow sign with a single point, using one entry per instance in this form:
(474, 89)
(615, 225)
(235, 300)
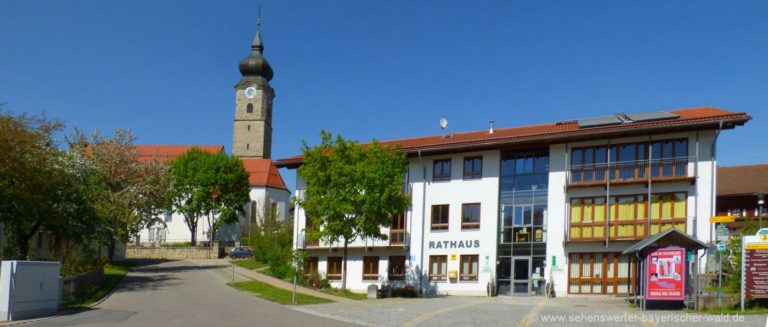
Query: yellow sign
(722, 219)
(757, 246)
(453, 274)
(453, 257)
(764, 237)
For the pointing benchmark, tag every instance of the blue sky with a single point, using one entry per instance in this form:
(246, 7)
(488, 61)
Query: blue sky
(383, 69)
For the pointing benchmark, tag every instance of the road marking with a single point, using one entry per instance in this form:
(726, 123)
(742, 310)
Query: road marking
(528, 319)
(426, 316)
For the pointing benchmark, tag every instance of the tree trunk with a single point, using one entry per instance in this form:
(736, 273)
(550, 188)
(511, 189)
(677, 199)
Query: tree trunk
(23, 245)
(193, 230)
(344, 268)
(111, 250)
(211, 232)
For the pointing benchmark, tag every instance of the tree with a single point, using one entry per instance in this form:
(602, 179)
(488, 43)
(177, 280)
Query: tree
(209, 184)
(352, 190)
(125, 192)
(30, 175)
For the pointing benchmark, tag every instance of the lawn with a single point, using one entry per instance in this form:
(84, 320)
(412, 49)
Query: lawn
(113, 274)
(249, 264)
(274, 294)
(345, 293)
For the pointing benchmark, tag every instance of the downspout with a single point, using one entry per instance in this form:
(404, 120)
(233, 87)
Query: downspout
(608, 194)
(696, 259)
(713, 176)
(649, 171)
(423, 221)
(696, 188)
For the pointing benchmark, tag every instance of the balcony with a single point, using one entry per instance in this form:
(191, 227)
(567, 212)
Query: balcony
(397, 237)
(630, 172)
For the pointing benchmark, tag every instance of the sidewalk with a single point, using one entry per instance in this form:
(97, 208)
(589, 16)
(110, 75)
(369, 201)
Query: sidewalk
(280, 283)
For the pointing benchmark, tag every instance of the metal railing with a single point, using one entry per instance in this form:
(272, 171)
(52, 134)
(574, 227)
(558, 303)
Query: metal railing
(629, 170)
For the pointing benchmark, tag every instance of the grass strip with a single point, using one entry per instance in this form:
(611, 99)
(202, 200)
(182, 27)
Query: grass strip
(113, 274)
(274, 294)
(345, 293)
(249, 264)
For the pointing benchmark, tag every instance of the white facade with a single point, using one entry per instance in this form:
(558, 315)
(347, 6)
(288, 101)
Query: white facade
(172, 228)
(422, 242)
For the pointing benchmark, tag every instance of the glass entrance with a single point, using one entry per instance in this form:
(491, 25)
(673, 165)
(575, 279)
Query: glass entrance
(522, 223)
(521, 276)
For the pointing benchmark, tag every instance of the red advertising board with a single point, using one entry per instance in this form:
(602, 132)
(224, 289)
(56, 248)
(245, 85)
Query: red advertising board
(666, 274)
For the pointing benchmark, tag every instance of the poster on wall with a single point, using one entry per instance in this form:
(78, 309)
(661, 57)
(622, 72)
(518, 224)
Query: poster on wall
(666, 274)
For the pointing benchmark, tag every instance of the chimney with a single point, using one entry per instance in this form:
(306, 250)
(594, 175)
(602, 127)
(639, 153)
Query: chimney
(490, 131)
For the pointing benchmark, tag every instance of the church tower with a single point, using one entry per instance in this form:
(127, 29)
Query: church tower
(252, 134)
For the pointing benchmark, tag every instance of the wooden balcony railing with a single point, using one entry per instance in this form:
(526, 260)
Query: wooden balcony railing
(627, 171)
(397, 237)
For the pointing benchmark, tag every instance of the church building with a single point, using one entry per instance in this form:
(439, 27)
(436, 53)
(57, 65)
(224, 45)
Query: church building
(251, 142)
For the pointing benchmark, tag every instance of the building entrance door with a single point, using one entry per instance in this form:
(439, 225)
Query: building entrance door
(521, 275)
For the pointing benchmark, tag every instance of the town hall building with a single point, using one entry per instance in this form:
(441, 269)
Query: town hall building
(516, 209)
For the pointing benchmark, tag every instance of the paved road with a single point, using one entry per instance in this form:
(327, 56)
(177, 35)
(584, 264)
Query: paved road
(518, 311)
(185, 293)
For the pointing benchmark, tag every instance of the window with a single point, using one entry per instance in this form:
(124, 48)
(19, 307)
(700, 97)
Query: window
(333, 272)
(600, 273)
(588, 218)
(168, 216)
(470, 216)
(469, 267)
(668, 210)
(440, 217)
(438, 267)
(396, 269)
(397, 229)
(311, 267)
(441, 170)
(249, 108)
(370, 268)
(473, 167)
(249, 128)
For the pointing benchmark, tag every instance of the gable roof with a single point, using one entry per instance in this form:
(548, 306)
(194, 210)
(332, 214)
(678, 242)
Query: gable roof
(165, 153)
(742, 180)
(670, 237)
(558, 132)
(263, 173)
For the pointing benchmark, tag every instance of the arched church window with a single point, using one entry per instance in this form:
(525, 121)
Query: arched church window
(249, 108)
(249, 128)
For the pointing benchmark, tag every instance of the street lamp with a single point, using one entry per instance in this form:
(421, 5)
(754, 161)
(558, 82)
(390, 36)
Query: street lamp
(760, 203)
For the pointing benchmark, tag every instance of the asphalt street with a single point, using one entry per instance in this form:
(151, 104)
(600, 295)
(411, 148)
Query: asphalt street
(181, 293)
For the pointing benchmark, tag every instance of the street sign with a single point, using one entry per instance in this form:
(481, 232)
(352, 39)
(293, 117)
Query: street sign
(722, 219)
(722, 233)
(721, 247)
(754, 266)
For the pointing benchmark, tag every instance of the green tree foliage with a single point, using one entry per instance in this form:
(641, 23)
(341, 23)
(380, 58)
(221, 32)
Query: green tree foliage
(209, 184)
(271, 240)
(125, 192)
(352, 190)
(30, 177)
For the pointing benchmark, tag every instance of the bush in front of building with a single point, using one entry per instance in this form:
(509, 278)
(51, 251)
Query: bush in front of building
(407, 291)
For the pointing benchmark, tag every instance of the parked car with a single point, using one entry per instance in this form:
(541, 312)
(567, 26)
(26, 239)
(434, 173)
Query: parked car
(240, 252)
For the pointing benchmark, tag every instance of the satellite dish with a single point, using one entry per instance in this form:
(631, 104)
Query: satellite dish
(443, 123)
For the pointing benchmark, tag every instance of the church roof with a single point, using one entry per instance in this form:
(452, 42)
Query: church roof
(165, 153)
(557, 132)
(263, 173)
